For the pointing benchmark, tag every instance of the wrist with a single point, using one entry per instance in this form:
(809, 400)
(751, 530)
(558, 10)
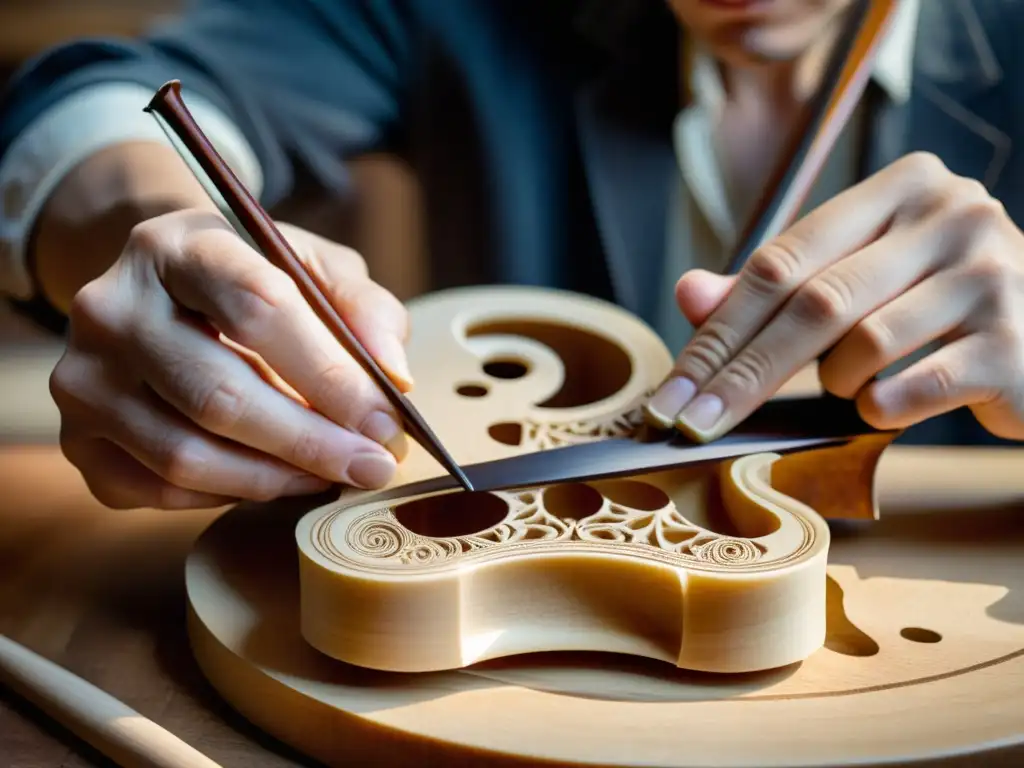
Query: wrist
(85, 223)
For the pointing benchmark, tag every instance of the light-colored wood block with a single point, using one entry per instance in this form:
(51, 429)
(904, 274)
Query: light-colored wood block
(707, 568)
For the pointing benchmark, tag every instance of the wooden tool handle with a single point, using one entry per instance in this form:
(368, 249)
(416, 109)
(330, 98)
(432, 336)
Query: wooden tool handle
(110, 726)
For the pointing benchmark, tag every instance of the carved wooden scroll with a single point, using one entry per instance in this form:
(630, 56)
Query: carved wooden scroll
(708, 568)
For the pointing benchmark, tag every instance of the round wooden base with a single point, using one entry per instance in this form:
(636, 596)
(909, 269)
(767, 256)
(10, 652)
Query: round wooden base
(924, 661)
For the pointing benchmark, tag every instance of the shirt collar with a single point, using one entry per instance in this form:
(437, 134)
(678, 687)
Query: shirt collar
(893, 68)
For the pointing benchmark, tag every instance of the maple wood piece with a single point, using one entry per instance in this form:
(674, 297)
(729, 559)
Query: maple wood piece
(112, 727)
(631, 566)
(706, 567)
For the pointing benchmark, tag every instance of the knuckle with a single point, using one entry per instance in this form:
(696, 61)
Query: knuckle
(70, 382)
(821, 301)
(940, 382)
(874, 339)
(219, 408)
(147, 237)
(923, 171)
(182, 462)
(62, 379)
(350, 260)
(263, 299)
(749, 372)
(774, 267)
(980, 218)
(94, 308)
(709, 351)
(990, 276)
(970, 190)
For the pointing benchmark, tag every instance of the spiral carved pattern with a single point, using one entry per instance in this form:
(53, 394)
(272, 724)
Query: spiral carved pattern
(379, 538)
(727, 551)
(376, 541)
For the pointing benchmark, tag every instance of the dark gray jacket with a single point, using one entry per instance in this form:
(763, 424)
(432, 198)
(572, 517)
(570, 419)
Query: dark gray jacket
(539, 129)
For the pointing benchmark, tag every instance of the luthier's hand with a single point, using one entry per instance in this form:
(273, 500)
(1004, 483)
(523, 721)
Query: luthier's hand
(910, 256)
(159, 409)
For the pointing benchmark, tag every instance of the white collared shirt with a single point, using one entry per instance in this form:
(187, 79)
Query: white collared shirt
(702, 231)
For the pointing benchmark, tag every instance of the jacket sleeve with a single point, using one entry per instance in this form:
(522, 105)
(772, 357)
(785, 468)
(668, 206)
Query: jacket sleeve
(306, 81)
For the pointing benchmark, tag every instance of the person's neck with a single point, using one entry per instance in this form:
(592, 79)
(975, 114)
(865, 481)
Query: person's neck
(781, 86)
(762, 106)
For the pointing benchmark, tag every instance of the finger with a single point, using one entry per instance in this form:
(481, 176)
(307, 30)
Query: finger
(699, 293)
(221, 393)
(968, 371)
(842, 225)
(819, 314)
(379, 321)
(260, 307)
(928, 311)
(376, 317)
(186, 456)
(264, 371)
(118, 481)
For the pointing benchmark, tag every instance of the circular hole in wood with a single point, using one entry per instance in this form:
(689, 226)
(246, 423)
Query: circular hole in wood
(572, 500)
(505, 369)
(595, 366)
(633, 494)
(507, 432)
(452, 514)
(920, 635)
(471, 390)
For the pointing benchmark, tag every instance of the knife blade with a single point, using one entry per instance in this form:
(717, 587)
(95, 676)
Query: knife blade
(779, 426)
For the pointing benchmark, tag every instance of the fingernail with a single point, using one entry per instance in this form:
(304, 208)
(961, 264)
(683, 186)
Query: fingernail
(371, 470)
(303, 484)
(393, 359)
(669, 400)
(382, 428)
(702, 414)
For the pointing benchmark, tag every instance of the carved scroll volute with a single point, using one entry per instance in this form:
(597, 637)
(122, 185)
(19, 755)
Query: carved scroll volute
(506, 370)
(706, 567)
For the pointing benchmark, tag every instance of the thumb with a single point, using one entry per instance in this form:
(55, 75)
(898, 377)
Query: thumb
(699, 293)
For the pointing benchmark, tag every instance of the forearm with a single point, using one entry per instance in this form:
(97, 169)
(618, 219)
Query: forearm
(86, 221)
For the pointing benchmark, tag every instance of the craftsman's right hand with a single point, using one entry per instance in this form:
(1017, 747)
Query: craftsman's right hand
(196, 374)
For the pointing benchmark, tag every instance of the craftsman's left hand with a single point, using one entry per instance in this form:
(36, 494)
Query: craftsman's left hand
(911, 255)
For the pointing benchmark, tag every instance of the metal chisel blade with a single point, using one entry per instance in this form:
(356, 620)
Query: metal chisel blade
(779, 426)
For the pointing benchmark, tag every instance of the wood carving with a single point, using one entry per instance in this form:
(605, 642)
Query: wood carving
(708, 567)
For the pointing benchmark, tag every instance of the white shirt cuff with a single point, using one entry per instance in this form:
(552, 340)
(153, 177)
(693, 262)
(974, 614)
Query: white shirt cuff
(75, 128)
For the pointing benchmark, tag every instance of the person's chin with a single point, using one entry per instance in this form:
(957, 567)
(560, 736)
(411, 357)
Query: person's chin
(754, 45)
